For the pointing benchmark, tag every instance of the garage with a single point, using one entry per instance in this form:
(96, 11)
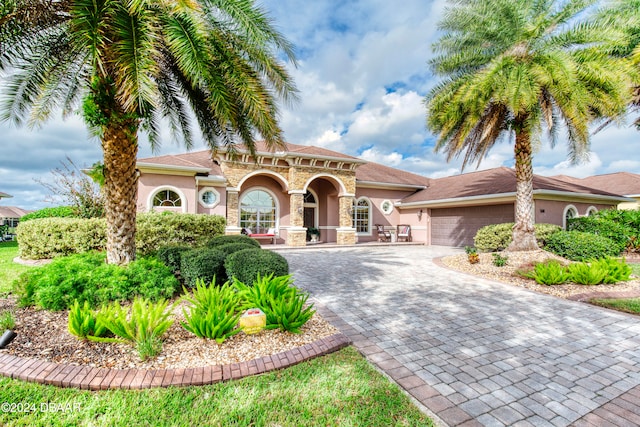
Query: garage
(458, 226)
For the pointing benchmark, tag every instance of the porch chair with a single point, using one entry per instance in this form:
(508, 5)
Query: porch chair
(404, 232)
(383, 235)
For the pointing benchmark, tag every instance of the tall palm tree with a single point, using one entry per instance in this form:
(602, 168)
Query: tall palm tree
(131, 63)
(511, 67)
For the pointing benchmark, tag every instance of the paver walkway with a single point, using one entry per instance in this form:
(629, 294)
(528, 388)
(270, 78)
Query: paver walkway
(474, 351)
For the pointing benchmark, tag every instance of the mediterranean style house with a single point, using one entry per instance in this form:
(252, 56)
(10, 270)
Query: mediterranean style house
(282, 194)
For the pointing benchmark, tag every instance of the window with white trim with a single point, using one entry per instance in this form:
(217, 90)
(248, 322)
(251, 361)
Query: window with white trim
(208, 197)
(167, 198)
(569, 213)
(362, 216)
(258, 211)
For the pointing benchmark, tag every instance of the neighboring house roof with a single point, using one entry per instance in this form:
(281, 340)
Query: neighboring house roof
(12, 212)
(496, 182)
(625, 183)
(369, 173)
(5, 195)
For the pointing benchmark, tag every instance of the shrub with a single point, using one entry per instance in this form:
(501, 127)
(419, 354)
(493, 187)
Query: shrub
(214, 312)
(550, 272)
(83, 322)
(585, 274)
(499, 260)
(171, 256)
(54, 237)
(230, 248)
(282, 303)
(247, 264)
(86, 277)
(617, 270)
(143, 324)
(579, 246)
(621, 226)
(232, 238)
(204, 264)
(54, 212)
(169, 228)
(496, 237)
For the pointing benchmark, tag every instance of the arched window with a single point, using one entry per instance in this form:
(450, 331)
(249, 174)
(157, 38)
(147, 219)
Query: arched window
(569, 213)
(592, 211)
(167, 198)
(258, 211)
(362, 216)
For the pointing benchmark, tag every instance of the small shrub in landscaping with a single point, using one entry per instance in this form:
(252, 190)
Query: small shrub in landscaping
(7, 320)
(282, 303)
(53, 212)
(500, 260)
(617, 269)
(171, 256)
(86, 277)
(83, 322)
(232, 238)
(141, 324)
(472, 254)
(579, 246)
(496, 237)
(214, 312)
(585, 274)
(204, 264)
(550, 272)
(247, 264)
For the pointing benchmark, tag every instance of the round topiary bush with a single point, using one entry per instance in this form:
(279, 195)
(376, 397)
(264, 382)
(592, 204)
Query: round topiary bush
(580, 246)
(232, 238)
(245, 265)
(496, 237)
(230, 248)
(202, 263)
(171, 255)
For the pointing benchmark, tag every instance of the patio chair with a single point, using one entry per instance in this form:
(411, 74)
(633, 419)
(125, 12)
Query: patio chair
(383, 235)
(404, 232)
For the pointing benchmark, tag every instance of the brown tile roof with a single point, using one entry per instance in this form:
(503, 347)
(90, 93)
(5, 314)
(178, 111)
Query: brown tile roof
(625, 183)
(12, 212)
(492, 181)
(196, 159)
(375, 172)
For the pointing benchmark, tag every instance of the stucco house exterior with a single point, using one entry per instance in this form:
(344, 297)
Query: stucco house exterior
(625, 183)
(286, 192)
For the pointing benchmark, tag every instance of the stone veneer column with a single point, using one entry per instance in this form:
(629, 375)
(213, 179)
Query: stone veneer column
(233, 209)
(296, 233)
(346, 233)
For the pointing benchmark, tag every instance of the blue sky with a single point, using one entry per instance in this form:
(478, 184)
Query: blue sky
(362, 76)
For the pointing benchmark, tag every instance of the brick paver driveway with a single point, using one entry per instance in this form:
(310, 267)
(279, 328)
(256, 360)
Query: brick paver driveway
(474, 351)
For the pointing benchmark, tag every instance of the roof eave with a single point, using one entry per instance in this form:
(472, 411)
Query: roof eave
(171, 168)
(581, 196)
(389, 185)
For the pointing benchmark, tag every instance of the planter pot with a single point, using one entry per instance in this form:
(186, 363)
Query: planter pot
(6, 338)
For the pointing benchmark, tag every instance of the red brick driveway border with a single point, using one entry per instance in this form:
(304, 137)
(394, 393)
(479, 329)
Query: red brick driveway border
(88, 378)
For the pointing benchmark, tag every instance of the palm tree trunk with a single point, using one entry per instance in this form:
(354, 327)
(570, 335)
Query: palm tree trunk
(524, 237)
(120, 148)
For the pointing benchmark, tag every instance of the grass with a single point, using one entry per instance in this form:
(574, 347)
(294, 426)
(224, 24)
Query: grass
(635, 268)
(338, 389)
(628, 305)
(9, 270)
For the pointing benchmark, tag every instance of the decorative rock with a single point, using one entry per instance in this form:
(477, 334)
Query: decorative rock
(253, 321)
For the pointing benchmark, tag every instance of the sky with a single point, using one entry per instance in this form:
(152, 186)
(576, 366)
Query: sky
(362, 74)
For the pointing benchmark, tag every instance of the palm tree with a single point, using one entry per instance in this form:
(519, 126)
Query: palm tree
(131, 63)
(511, 67)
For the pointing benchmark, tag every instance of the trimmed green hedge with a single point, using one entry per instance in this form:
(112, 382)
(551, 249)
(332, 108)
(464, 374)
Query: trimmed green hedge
(171, 255)
(86, 277)
(496, 237)
(232, 238)
(203, 264)
(245, 265)
(580, 246)
(621, 226)
(53, 212)
(54, 237)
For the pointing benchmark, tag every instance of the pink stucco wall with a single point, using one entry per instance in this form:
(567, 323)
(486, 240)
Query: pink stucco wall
(552, 211)
(376, 198)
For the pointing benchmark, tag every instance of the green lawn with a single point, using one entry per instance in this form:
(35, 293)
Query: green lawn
(635, 268)
(9, 270)
(341, 389)
(629, 305)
